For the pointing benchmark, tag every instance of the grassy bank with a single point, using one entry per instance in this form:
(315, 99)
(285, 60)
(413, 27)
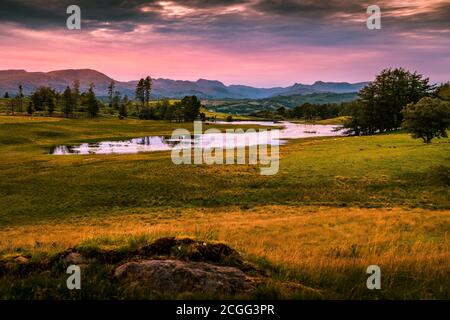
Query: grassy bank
(336, 206)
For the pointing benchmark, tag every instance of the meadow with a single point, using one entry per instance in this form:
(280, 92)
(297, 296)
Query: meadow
(336, 206)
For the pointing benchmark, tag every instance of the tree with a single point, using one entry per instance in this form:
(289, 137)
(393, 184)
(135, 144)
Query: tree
(382, 101)
(140, 93)
(281, 111)
(297, 112)
(20, 98)
(44, 99)
(357, 123)
(147, 89)
(12, 105)
(443, 92)
(168, 110)
(309, 111)
(111, 87)
(91, 101)
(178, 112)
(30, 109)
(427, 119)
(164, 109)
(76, 95)
(68, 104)
(123, 108)
(116, 100)
(190, 108)
(147, 113)
(51, 105)
(6, 95)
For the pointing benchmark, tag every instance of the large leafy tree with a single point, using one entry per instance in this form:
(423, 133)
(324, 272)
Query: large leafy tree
(427, 119)
(382, 101)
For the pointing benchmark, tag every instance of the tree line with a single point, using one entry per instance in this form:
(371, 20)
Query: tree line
(188, 109)
(306, 111)
(46, 99)
(72, 101)
(396, 99)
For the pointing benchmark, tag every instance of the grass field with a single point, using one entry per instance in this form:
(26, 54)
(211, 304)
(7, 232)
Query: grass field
(224, 116)
(336, 206)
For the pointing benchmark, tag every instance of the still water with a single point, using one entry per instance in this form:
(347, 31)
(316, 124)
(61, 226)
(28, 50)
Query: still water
(288, 130)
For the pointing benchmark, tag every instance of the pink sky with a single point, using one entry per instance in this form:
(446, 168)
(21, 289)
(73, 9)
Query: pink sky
(262, 57)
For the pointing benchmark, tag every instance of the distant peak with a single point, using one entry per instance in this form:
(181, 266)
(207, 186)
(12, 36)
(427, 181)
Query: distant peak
(14, 71)
(206, 81)
(76, 70)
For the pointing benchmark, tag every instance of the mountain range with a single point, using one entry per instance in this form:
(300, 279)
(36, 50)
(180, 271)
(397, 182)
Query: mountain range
(204, 89)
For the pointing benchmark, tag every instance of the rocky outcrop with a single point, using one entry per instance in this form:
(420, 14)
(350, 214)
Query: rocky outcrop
(168, 266)
(175, 276)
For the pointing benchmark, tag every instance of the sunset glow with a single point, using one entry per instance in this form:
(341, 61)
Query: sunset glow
(263, 43)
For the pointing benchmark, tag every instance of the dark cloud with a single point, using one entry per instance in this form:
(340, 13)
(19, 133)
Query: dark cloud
(317, 22)
(308, 8)
(52, 13)
(209, 3)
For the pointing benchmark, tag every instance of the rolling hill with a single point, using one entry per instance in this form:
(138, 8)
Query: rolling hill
(204, 89)
(248, 106)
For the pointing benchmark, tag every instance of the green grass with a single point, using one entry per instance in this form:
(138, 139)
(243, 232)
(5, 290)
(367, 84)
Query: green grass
(219, 116)
(331, 121)
(376, 171)
(41, 193)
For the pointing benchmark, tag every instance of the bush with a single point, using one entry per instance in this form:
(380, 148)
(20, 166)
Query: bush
(427, 119)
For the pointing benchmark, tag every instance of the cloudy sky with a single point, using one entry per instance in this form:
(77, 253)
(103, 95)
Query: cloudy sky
(254, 42)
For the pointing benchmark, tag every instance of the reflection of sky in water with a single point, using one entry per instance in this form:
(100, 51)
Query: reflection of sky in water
(209, 140)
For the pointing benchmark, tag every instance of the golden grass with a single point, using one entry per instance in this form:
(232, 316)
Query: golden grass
(285, 235)
(25, 119)
(324, 249)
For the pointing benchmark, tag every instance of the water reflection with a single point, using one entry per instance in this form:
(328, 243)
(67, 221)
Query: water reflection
(214, 140)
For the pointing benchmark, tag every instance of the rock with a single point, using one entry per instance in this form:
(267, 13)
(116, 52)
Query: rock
(175, 276)
(75, 258)
(170, 248)
(21, 260)
(190, 250)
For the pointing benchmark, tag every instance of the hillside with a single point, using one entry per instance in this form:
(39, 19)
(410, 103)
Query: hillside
(320, 86)
(204, 89)
(246, 107)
